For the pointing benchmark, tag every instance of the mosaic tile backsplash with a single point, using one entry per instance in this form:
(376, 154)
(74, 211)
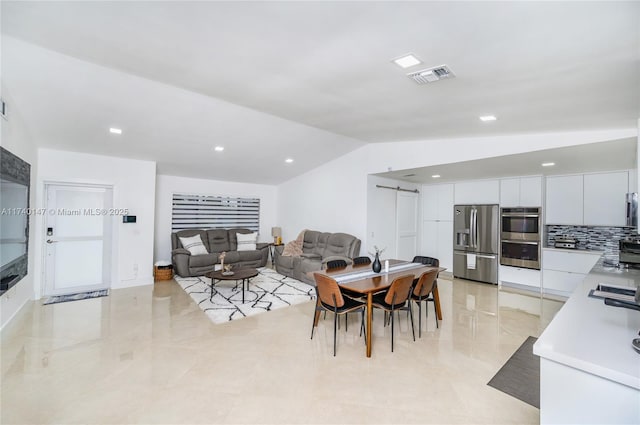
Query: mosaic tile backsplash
(592, 237)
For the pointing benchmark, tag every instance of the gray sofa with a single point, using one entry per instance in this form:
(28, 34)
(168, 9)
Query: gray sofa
(318, 248)
(216, 241)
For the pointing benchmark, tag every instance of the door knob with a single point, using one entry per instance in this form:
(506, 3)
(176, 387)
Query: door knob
(50, 241)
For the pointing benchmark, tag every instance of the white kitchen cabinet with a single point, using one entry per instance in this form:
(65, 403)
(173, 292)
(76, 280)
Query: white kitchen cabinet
(604, 198)
(531, 191)
(437, 241)
(477, 192)
(429, 241)
(437, 223)
(445, 244)
(520, 276)
(521, 192)
(437, 202)
(564, 200)
(561, 283)
(563, 271)
(510, 192)
(633, 180)
(445, 202)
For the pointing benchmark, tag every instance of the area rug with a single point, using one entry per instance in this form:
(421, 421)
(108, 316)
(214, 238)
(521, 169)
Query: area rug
(267, 291)
(76, 297)
(520, 375)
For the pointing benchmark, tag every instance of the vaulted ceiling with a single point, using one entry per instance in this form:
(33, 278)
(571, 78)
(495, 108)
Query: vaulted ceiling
(309, 80)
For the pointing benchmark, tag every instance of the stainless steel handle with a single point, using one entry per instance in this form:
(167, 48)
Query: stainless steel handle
(475, 228)
(471, 229)
(51, 241)
(491, 257)
(520, 215)
(520, 242)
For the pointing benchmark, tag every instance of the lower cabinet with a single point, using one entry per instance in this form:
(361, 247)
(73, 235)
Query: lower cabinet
(563, 271)
(518, 276)
(561, 283)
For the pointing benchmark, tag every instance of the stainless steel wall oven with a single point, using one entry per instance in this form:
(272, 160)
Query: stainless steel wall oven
(520, 237)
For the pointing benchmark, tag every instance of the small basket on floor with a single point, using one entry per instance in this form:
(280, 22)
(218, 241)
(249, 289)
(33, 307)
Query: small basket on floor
(163, 272)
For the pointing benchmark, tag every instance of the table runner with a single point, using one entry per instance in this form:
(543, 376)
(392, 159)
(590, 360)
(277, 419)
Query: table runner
(347, 277)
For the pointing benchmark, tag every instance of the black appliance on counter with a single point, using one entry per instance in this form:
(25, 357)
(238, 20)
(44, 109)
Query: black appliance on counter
(565, 242)
(630, 251)
(520, 237)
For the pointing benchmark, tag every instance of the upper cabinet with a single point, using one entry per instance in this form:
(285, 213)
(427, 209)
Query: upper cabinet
(565, 198)
(589, 199)
(521, 192)
(437, 202)
(531, 191)
(604, 199)
(477, 192)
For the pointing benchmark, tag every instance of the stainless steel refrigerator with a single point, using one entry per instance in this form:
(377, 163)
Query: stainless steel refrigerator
(475, 242)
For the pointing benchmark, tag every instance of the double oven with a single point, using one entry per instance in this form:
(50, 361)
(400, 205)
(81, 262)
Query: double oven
(520, 237)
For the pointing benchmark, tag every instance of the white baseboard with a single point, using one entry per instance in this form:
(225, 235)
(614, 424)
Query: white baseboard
(15, 313)
(141, 281)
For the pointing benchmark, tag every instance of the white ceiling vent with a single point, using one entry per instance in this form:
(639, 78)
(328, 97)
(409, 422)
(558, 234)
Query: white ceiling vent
(431, 75)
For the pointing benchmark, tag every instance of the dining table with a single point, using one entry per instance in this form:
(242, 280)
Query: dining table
(362, 280)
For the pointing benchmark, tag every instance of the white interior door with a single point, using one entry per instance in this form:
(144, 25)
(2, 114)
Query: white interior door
(406, 225)
(77, 238)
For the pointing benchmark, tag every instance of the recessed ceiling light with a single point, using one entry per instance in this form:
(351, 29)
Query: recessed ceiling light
(407, 61)
(435, 176)
(114, 130)
(288, 160)
(486, 118)
(548, 164)
(218, 148)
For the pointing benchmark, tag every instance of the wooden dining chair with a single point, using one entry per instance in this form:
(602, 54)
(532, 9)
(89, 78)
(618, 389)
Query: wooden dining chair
(433, 262)
(330, 299)
(396, 298)
(422, 291)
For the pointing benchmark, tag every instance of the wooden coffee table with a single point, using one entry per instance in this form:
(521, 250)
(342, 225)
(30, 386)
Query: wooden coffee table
(238, 275)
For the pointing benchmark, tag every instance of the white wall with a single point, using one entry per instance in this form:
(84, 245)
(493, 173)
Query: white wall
(332, 197)
(381, 215)
(133, 184)
(15, 138)
(166, 186)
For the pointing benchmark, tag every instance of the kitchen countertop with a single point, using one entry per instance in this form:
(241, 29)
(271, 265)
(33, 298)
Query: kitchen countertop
(577, 250)
(590, 336)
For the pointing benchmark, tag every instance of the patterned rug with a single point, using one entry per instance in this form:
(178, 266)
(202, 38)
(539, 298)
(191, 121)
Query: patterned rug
(76, 297)
(267, 291)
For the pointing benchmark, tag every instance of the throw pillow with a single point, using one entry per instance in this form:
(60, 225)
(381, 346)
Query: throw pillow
(194, 245)
(247, 242)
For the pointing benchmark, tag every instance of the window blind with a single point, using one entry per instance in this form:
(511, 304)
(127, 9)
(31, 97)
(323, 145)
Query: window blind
(214, 212)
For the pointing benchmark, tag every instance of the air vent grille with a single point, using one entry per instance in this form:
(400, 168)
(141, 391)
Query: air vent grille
(431, 75)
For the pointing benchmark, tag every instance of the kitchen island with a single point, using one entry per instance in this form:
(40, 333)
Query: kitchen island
(589, 373)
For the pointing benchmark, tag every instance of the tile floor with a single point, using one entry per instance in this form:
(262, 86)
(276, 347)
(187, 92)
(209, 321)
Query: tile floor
(150, 355)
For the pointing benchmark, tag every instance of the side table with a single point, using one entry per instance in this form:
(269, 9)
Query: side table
(272, 251)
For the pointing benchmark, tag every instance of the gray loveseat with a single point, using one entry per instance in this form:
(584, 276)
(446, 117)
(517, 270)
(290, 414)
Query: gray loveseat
(317, 249)
(216, 241)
